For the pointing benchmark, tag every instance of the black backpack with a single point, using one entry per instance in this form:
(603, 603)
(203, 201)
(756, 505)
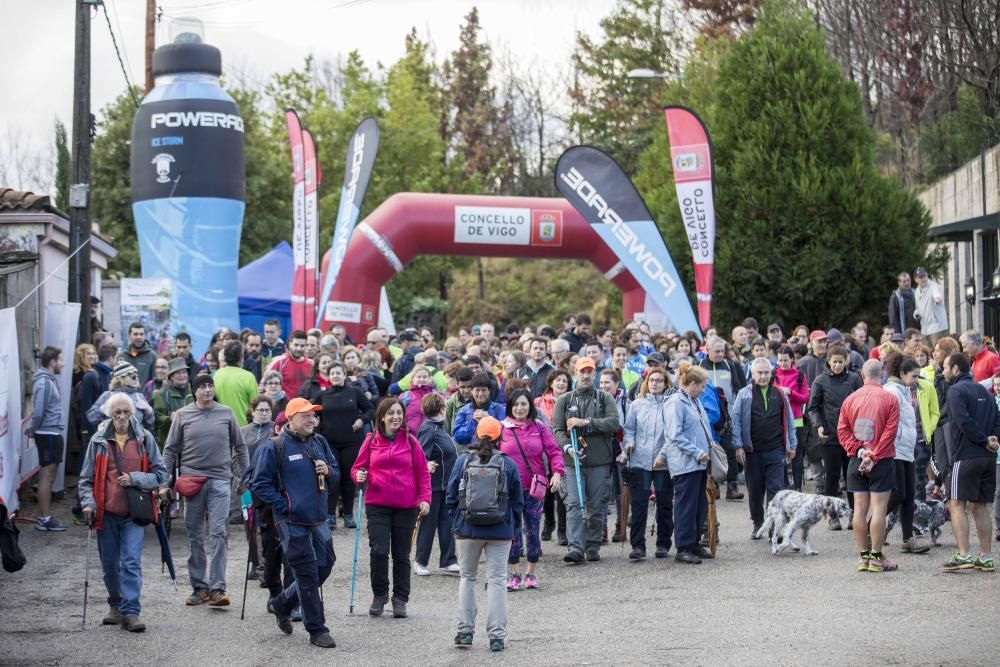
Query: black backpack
(482, 491)
(13, 557)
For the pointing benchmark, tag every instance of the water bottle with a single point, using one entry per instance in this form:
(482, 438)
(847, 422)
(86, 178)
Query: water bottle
(188, 184)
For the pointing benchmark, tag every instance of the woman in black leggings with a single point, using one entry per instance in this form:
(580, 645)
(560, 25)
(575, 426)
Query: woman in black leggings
(346, 410)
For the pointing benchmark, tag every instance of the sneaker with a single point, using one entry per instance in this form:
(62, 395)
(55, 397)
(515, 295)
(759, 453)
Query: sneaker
(252, 574)
(959, 562)
(637, 554)
(593, 556)
(284, 620)
(199, 596)
(349, 522)
(911, 546)
(573, 557)
(235, 519)
(133, 624)
(296, 615)
(882, 564)
(378, 605)
(733, 492)
(398, 608)
(531, 581)
(451, 569)
(756, 529)
(513, 581)
(863, 562)
(563, 540)
(421, 570)
(79, 521)
(323, 640)
(114, 617)
(661, 552)
(331, 521)
(218, 599)
(496, 645)
(50, 524)
(463, 639)
(702, 552)
(547, 534)
(984, 563)
(687, 557)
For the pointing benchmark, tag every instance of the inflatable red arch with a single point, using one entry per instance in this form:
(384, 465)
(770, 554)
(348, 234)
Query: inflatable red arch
(410, 224)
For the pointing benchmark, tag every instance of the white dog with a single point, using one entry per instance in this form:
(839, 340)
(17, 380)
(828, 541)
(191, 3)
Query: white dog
(793, 510)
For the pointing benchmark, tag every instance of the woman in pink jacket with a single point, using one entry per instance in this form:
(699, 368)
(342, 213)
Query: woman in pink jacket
(525, 439)
(421, 385)
(392, 469)
(793, 382)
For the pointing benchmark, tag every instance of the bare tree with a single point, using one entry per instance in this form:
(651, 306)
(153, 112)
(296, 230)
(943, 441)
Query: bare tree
(24, 164)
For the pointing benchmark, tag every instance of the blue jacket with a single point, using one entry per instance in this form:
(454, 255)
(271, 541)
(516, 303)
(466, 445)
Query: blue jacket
(687, 430)
(515, 505)
(299, 501)
(740, 413)
(974, 417)
(709, 400)
(94, 383)
(464, 429)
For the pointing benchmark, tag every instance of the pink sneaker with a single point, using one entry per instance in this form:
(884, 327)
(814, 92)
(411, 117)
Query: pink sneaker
(530, 581)
(513, 582)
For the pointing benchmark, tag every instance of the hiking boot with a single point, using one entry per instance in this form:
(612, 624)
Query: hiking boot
(912, 546)
(398, 608)
(882, 564)
(218, 599)
(733, 492)
(199, 596)
(531, 581)
(49, 524)
(546, 536)
(323, 640)
(421, 570)
(573, 557)
(513, 581)
(756, 529)
(563, 540)
(114, 617)
(252, 574)
(863, 562)
(349, 522)
(378, 605)
(496, 645)
(687, 557)
(984, 563)
(637, 554)
(619, 535)
(702, 552)
(959, 562)
(463, 639)
(835, 523)
(661, 552)
(284, 620)
(133, 624)
(593, 555)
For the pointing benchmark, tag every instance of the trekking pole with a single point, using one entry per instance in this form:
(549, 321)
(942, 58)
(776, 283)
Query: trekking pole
(573, 411)
(86, 571)
(246, 574)
(357, 538)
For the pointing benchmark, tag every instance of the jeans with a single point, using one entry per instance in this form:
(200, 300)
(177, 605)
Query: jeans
(835, 462)
(345, 488)
(309, 551)
(469, 552)
(690, 508)
(597, 493)
(437, 521)
(119, 543)
(765, 471)
(390, 530)
(211, 502)
(530, 520)
(903, 496)
(640, 481)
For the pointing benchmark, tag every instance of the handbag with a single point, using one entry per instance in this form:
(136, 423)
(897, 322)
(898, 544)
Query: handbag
(718, 463)
(140, 501)
(539, 483)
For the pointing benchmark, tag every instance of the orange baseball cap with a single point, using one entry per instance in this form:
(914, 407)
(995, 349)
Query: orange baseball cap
(489, 428)
(297, 405)
(585, 362)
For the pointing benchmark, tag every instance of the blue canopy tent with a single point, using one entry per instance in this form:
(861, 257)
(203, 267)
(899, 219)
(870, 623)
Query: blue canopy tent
(264, 287)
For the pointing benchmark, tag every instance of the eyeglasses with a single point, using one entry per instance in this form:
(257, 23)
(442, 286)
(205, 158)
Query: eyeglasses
(262, 409)
(273, 383)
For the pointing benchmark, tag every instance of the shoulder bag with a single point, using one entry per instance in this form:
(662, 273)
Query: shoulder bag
(718, 463)
(140, 501)
(539, 483)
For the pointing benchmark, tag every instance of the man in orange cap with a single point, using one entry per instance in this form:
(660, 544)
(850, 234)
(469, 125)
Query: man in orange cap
(594, 417)
(294, 473)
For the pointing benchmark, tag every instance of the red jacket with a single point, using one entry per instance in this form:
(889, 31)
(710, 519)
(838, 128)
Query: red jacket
(983, 365)
(397, 471)
(869, 418)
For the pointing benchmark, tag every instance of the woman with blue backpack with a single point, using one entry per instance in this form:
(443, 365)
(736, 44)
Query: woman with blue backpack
(485, 501)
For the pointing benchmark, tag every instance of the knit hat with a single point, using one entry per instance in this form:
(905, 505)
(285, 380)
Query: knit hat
(123, 368)
(201, 380)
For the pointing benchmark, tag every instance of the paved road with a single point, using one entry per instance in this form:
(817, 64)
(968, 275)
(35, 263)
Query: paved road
(748, 607)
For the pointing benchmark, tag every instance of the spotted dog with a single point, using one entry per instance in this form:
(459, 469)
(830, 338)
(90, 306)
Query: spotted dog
(793, 510)
(927, 518)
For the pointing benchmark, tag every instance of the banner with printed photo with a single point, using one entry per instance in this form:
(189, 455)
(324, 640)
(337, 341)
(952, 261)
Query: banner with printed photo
(10, 411)
(299, 313)
(148, 302)
(61, 323)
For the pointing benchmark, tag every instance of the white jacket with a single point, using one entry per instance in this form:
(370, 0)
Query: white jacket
(906, 432)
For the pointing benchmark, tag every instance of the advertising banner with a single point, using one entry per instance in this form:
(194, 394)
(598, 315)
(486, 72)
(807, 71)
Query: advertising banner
(10, 411)
(310, 237)
(300, 317)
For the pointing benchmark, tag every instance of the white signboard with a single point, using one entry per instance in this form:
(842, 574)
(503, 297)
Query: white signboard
(343, 311)
(492, 226)
(10, 411)
(61, 323)
(148, 302)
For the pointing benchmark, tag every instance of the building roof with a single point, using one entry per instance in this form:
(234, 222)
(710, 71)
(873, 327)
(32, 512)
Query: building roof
(15, 200)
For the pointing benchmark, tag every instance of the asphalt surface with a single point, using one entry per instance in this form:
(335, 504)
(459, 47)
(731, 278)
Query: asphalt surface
(747, 607)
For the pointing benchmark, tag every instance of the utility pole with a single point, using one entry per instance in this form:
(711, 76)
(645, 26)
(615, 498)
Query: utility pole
(150, 42)
(79, 192)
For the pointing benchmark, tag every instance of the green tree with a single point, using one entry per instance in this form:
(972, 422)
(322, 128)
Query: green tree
(111, 198)
(62, 167)
(806, 223)
(958, 136)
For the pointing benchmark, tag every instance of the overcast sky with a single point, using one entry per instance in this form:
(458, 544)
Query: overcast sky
(257, 39)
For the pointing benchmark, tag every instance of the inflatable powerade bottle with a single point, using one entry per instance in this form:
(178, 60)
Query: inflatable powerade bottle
(188, 184)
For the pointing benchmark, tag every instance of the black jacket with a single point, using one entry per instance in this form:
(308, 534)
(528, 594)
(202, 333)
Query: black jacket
(536, 379)
(574, 340)
(909, 306)
(440, 448)
(827, 394)
(341, 407)
(974, 417)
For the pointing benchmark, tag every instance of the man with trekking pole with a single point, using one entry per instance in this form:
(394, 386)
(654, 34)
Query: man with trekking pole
(294, 472)
(584, 422)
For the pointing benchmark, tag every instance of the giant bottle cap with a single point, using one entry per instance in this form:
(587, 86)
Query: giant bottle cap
(188, 51)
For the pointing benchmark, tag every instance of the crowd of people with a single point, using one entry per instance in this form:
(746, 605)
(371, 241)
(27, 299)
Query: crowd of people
(492, 445)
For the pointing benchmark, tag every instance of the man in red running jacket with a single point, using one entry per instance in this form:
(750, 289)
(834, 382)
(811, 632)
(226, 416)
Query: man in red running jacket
(867, 428)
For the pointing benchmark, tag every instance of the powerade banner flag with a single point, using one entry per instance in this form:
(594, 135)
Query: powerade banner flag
(691, 158)
(599, 189)
(310, 235)
(300, 317)
(361, 151)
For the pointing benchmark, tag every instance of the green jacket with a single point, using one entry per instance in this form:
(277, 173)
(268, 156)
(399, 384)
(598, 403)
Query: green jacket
(439, 379)
(451, 408)
(600, 409)
(166, 401)
(930, 409)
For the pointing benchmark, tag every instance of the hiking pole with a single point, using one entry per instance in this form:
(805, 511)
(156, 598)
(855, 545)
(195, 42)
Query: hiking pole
(357, 538)
(573, 411)
(246, 574)
(86, 571)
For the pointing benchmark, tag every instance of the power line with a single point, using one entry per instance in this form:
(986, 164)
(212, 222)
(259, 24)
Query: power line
(118, 26)
(114, 42)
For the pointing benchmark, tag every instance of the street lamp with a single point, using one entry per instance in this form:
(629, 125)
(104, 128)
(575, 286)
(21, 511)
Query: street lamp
(970, 292)
(995, 282)
(643, 73)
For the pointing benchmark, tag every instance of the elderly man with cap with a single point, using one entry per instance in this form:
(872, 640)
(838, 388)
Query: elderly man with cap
(174, 395)
(294, 473)
(593, 416)
(774, 333)
(814, 363)
(205, 442)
